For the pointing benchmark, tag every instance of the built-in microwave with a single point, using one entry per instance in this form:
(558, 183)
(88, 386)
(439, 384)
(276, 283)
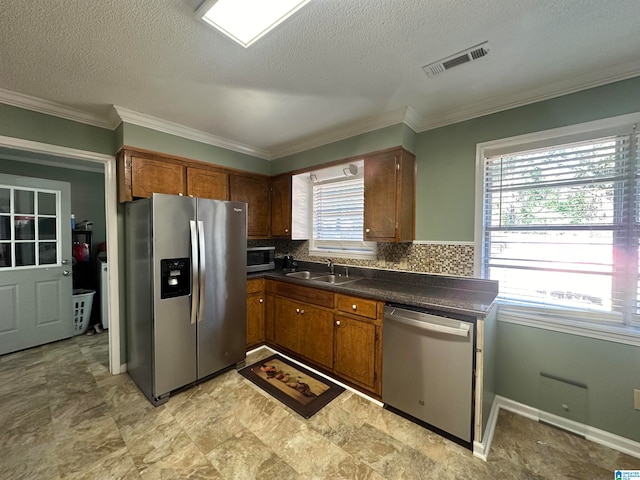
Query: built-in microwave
(260, 258)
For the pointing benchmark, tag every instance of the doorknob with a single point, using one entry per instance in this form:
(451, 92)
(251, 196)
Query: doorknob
(66, 273)
(65, 262)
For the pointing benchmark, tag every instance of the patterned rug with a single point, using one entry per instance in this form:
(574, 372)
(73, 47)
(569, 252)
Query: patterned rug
(301, 390)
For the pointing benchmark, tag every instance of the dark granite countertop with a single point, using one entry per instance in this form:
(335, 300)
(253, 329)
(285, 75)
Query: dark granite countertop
(461, 295)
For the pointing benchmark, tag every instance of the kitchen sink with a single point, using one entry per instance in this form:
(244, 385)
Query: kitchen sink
(305, 275)
(334, 279)
(318, 277)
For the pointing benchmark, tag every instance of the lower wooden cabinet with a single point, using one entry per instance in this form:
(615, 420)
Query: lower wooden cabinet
(256, 307)
(340, 334)
(356, 348)
(305, 329)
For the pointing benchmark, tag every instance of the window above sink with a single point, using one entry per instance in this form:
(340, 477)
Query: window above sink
(332, 204)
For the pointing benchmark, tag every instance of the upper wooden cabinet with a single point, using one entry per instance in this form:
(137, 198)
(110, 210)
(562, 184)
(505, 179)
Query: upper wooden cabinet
(204, 183)
(142, 173)
(389, 196)
(152, 176)
(281, 207)
(253, 190)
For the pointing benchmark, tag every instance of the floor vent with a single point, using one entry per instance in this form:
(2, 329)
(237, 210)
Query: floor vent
(468, 55)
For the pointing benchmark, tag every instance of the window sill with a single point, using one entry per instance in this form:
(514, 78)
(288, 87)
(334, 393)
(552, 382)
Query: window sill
(337, 253)
(627, 335)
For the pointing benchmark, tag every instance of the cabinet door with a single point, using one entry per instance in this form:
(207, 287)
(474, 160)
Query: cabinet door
(255, 192)
(281, 207)
(356, 350)
(203, 183)
(154, 176)
(287, 323)
(389, 197)
(255, 319)
(380, 196)
(316, 334)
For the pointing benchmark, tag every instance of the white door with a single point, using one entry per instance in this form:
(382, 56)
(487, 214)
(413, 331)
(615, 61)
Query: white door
(35, 262)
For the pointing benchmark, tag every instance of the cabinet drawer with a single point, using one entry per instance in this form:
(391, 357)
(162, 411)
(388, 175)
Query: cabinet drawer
(305, 294)
(255, 285)
(357, 306)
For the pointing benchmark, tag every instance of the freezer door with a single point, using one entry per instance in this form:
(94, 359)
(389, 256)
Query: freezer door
(223, 284)
(174, 334)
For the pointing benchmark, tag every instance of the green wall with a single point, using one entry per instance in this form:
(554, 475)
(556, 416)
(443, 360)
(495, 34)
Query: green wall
(360, 144)
(609, 370)
(39, 127)
(446, 157)
(146, 138)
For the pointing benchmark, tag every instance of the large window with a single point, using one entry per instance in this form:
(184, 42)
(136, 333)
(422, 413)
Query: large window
(561, 227)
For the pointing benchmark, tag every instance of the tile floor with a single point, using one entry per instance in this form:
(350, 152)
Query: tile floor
(62, 415)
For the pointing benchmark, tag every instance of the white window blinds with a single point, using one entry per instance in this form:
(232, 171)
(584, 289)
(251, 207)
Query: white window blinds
(561, 228)
(338, 210)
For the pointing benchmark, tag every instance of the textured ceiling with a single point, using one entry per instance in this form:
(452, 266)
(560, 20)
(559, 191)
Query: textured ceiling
(332, 65)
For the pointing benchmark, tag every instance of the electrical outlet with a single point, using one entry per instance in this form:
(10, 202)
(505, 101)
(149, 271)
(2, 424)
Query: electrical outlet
(636, 399)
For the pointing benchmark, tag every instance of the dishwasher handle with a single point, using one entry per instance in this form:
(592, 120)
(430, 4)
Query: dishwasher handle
(461, 331)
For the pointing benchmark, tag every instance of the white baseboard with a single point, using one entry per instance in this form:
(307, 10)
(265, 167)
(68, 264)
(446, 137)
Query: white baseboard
(481, 448)
(123, 368)
(610, 440)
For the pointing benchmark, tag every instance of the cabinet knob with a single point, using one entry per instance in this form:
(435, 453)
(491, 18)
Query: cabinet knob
(367, 230)
(354, 306)
(337, 323)
(302, 311)
(261, 300)
(297, 310)
(286, 230)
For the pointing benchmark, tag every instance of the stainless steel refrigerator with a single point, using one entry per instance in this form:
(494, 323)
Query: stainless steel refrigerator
(186, 291)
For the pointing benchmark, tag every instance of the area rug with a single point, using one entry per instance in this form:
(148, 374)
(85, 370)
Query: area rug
(301, 390)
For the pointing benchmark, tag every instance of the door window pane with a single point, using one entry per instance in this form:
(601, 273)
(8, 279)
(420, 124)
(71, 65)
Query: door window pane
(46, 228)
(5, 255)
(29, 225)
(23, 201)
(48, 253)
(5, 227)
(5, 200)
(25, 254)
(46, 203)
(25, 228)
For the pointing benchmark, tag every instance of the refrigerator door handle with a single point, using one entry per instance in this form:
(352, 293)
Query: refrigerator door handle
(195, 287)
(203, 270)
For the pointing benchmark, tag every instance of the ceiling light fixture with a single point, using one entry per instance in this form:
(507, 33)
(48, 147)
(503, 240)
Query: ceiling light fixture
(245, 21)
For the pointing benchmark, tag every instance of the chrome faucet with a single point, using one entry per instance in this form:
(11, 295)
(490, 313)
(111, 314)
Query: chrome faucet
(330, 265)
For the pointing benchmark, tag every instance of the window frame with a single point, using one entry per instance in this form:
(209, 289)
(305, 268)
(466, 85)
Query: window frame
(627, 332)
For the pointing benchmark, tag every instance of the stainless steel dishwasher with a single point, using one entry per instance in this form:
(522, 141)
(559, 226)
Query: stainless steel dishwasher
(427, 369)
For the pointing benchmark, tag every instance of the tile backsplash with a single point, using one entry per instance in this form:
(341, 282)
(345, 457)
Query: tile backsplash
(447, 259)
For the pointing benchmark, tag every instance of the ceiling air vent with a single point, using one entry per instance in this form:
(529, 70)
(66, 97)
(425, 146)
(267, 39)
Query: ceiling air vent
(468, 55)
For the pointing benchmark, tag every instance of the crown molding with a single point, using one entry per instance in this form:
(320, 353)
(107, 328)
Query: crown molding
(51, 108)
(616, 73)
(154, 123)
(366, 125)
